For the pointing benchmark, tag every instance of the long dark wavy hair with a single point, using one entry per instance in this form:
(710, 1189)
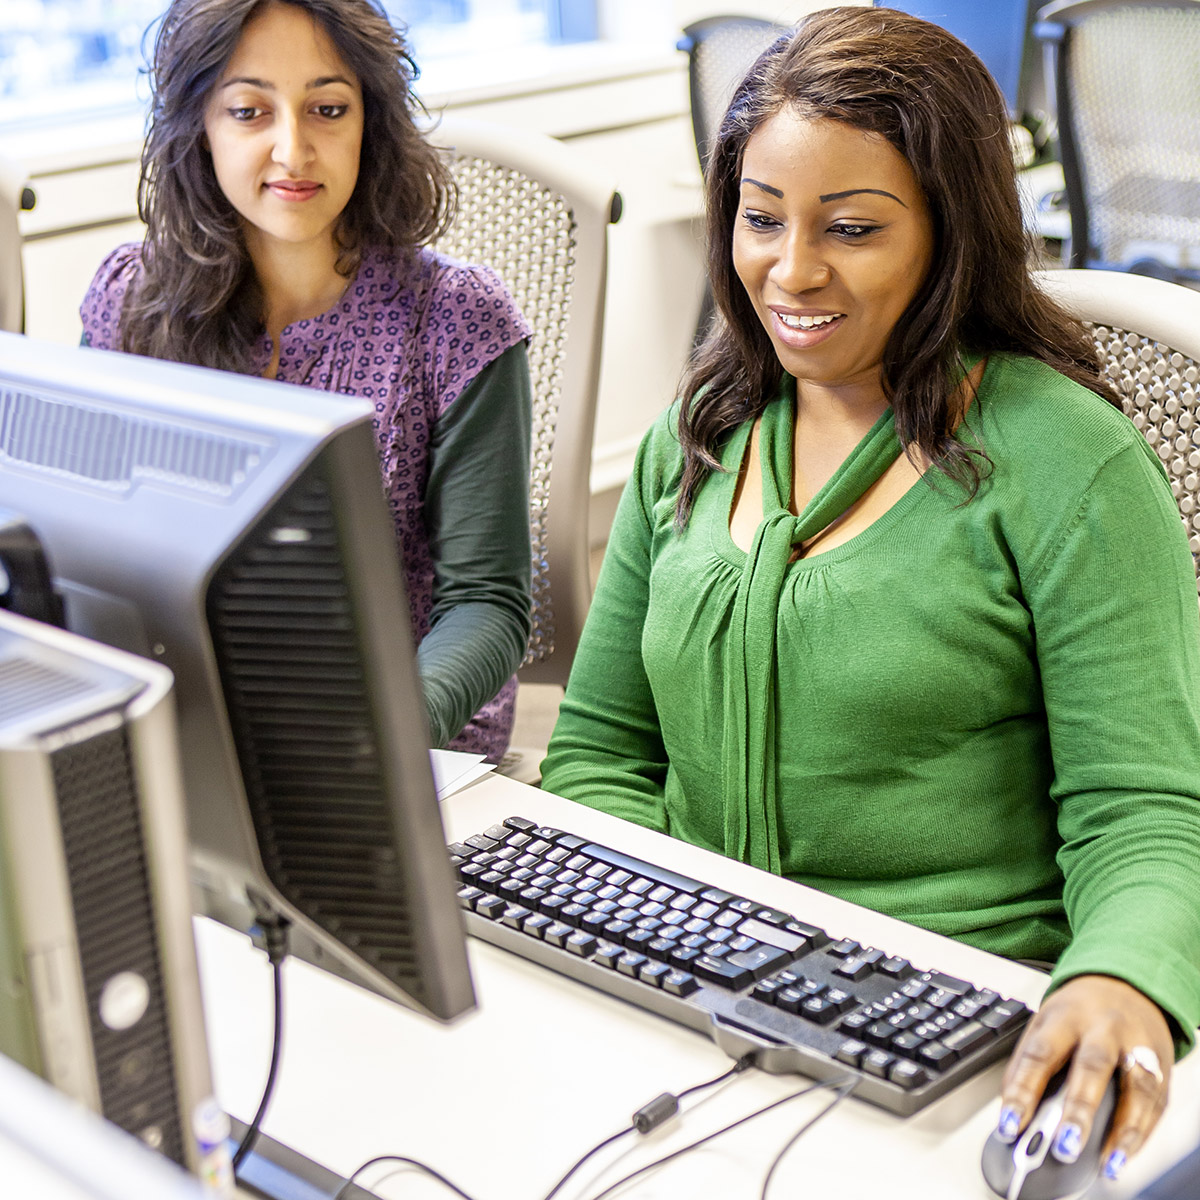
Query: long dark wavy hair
(199, 300)
(919, 87)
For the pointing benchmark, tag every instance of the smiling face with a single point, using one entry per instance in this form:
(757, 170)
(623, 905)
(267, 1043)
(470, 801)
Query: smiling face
(284, 125)
(833, 239)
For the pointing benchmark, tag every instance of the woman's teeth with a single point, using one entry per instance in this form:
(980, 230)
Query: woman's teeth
(806, 322)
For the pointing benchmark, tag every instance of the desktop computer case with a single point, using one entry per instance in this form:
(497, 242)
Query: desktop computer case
(99, 989)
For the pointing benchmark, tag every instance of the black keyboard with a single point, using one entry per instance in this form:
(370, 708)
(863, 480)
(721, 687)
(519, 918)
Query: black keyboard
(756, 980)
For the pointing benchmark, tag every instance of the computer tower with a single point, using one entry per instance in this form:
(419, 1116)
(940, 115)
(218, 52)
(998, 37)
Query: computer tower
(99, 988)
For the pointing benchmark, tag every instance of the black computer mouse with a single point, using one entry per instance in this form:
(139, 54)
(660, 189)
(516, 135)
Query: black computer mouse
(1026, 1170)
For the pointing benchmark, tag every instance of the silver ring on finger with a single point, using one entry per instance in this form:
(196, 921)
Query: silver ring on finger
(1142, 1058)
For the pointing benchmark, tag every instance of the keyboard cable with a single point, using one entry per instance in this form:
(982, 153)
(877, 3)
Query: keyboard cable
(647, 1119)
(844, 1086)
(842, 1093)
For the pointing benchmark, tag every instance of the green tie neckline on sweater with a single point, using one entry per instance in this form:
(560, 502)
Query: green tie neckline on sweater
(751, 830)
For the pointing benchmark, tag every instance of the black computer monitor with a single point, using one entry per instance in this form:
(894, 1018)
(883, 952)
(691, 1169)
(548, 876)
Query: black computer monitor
(235, 530)
(997, 30)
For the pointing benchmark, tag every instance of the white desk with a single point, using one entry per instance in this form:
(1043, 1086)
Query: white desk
(504, 1100)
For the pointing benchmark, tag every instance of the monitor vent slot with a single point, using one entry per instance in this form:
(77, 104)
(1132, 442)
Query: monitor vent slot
(27, 687)
(281, 614)
(116, 451)
(112, 898)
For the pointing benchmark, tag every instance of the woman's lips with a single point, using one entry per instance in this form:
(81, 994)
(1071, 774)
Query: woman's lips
(294, 191)
(799, 338)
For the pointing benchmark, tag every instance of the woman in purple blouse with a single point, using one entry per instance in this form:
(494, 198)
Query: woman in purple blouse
(289, 201)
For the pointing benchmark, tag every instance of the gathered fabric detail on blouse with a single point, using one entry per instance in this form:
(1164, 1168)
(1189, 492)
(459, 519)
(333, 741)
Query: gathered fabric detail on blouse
(751, 691)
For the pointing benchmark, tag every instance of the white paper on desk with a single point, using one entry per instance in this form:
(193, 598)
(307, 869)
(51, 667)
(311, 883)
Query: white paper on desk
(452, 771)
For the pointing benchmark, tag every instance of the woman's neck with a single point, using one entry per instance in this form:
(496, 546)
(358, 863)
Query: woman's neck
(298, 282)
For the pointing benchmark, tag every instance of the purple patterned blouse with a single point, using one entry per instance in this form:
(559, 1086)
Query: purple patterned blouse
(411, 332)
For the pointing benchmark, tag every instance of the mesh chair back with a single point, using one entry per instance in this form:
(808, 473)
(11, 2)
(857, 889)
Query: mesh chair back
(720, 51)
(1148, 335)
(1127, 78)
(537, 215)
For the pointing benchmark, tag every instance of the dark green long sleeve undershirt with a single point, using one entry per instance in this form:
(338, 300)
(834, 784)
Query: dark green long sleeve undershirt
(477, 509)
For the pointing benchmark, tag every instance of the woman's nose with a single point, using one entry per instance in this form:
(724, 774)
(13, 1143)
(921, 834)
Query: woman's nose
(800, 267)
(292, 148)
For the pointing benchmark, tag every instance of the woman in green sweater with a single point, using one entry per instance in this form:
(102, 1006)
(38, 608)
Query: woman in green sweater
(898, 603)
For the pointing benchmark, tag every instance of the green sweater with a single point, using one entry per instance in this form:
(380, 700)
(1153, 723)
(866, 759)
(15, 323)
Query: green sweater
(980, 717)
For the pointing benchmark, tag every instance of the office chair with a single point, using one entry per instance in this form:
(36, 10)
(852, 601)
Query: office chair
(532, 209)
(1148, 335)
(13, 197)
(720, 51)
(1127, 93)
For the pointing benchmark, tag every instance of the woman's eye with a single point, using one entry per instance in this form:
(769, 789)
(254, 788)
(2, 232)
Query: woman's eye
(245, 113)
(852, 231)
(759, 220)
(331, 111)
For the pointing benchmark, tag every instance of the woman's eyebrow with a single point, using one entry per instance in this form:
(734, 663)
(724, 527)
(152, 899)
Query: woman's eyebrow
(266, 86)
(860, 191)
(766, 187)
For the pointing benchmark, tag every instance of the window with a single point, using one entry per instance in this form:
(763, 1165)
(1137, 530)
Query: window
(63, 57)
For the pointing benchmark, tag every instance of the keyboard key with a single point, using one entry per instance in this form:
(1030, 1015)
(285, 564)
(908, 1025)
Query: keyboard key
(759, 962)
(813, 935)
(607, 954)
(491, 906)
(855, 1022)
(853, 968)
(878, 1062)
(557, 933)
(639, 886)
(522, 824)
(515, 916)
(716, 895)
(879, 1033)
(790, 999)
(818, 1009)
(971, 1036)
(660, 949)
(915, 989)
(907, 1043)
(897, 968)
(766, 990)
(571, 842)
(1002, 1017)
(935, 1055)
(467, 896)
(481, 841)
(845, 948)
(679, 983)
(840, 999)
(581, 943)
(573, 914)
(653, 973)
(629, 962)
(684, 956)
(948, 983)
(496, 832)
(662, 894)
(721, 971)
(727, 919)
(536, 925)
(745, 907)
(907, 1074)
(851, 1052)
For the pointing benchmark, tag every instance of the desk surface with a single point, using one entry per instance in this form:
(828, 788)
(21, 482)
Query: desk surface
(506, 1098)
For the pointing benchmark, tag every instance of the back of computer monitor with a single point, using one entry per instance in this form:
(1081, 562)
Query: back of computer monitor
(235, 530)
(100, 993)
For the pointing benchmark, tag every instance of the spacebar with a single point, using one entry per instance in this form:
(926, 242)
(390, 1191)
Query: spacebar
(681, 883)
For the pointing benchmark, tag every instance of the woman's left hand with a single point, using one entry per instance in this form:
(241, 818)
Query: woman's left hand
(1101, 1025)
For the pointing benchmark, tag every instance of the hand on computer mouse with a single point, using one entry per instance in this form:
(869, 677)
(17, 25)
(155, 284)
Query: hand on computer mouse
(1027, 1169)
(1096, 1026)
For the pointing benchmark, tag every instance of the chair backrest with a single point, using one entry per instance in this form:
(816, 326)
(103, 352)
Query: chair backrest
(12, 290)
(533, 210)
(1126, 77)
(1148, 335)
(720, 51)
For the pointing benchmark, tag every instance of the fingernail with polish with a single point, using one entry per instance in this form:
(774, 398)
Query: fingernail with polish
(1010, 1124)
(1068, 1144)
(1115, 1164)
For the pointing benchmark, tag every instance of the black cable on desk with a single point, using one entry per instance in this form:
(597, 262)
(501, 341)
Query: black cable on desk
(842, 1093)
(666, 1158)
(408, 1162)
(649, 1117)
(275, 938)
